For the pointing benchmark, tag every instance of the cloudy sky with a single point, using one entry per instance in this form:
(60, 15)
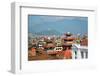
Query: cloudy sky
(37, 23)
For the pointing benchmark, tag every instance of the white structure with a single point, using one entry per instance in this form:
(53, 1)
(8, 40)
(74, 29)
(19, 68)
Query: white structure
(58, 49)
(55, 49)
(79, 52)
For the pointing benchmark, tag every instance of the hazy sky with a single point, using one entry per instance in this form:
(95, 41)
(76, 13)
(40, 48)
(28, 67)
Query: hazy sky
(37, 23)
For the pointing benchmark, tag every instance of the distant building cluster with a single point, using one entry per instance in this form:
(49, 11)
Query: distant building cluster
(57, 47)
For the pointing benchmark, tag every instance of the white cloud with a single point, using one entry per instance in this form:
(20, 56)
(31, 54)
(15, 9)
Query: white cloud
(60, 18)
(51, 18)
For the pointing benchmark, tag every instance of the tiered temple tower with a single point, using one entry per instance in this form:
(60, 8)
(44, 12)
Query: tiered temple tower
(67, 41)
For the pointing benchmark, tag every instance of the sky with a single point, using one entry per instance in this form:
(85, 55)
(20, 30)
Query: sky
(62, 24)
